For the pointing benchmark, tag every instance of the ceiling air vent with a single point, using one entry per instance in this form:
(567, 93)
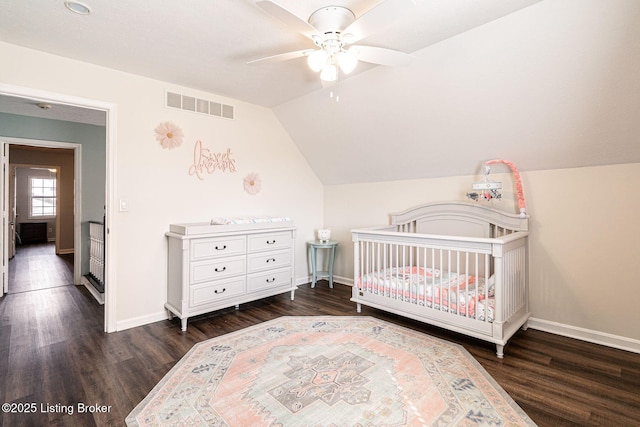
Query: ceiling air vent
(198, 105)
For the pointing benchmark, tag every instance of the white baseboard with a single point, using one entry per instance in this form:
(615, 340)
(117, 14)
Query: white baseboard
(142, 320)
(595, 337)
(339, 279)
(93, 291)
(302, 280)
(343, 280)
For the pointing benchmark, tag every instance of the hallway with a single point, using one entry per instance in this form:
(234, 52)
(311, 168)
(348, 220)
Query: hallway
(36, 267)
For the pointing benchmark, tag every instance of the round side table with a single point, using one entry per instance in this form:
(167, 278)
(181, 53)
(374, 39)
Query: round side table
(314, 245)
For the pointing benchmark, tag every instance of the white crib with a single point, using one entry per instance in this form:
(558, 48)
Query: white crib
(459, 266)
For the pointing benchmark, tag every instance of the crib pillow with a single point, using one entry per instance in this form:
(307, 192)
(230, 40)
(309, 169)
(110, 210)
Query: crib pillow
(408, 273)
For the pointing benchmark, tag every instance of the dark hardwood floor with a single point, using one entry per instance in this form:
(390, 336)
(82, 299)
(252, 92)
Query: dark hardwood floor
(53, 352)
(36, 266)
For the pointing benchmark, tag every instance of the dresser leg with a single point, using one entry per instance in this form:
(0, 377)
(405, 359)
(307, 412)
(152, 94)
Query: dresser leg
(237, 306)
(184, 324)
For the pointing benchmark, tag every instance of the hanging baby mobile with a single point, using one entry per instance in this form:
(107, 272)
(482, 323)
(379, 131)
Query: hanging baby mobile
(489, 190)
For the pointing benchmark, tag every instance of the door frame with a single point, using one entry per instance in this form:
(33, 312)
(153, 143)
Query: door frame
(110, 109)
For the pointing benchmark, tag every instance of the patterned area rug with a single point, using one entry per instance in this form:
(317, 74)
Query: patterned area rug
(327, 371)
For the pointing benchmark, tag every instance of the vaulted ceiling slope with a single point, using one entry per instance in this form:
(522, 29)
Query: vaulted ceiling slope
(547, 84)
(553, 86)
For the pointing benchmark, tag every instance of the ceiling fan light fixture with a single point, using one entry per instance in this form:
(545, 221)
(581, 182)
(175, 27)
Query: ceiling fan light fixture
(334, 28)
(347, 61)
(317, 60)
(329, 73)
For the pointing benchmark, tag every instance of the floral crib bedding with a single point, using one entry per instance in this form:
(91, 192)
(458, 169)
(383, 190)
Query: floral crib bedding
(448, 291)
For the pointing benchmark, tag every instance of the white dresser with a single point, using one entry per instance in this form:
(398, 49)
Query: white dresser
(211, 267)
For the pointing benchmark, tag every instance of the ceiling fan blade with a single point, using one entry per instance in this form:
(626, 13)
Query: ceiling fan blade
(382, 56)
(378, 17)
(283, 56)
(287, 17)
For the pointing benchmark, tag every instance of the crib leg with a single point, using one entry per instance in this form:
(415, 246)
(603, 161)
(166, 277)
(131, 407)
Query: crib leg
(525, 326)
(359, 308)
(500, 351)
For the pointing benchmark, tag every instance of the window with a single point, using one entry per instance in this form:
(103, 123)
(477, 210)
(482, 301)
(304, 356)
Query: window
(43, 196)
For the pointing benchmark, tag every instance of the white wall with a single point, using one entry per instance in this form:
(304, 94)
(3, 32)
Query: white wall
(584, 237)
(155, 181)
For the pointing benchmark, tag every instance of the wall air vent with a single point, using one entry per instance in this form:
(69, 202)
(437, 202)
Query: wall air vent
(197, 105)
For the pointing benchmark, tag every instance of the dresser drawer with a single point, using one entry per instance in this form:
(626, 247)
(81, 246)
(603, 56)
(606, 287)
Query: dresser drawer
(269, 241)
(210, 292)
(270, 279)
(219, 268)
(217, 247)
(269, 260)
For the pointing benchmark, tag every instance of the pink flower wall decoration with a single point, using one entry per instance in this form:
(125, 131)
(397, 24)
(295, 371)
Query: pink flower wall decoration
(169, 135)
(252, 183)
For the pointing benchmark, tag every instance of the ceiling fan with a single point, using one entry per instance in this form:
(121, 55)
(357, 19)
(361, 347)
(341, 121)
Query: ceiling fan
(334, 29)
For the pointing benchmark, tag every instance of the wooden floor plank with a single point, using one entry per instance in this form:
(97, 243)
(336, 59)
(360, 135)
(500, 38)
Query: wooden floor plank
(53, 350)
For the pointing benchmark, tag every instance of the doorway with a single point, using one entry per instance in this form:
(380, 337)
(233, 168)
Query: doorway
(41, 218)
(35, 158)
(108, 166)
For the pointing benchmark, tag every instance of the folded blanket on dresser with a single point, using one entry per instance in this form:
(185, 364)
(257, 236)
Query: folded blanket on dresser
(248, 220)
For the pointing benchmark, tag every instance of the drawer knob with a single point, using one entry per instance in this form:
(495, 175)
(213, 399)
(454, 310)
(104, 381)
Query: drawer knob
(271, 242)
(220, 292)
(271, 280)
(218, 270)
(271, 260)
(218, 248)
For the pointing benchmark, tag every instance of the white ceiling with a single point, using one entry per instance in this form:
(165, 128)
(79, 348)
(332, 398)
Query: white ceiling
(562, 90)
(205, 44)
(47, 110)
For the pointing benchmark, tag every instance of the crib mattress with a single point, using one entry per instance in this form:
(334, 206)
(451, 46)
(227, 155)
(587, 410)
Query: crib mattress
(462, 294)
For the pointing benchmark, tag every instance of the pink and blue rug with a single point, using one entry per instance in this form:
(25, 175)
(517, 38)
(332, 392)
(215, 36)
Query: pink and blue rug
(327, 371)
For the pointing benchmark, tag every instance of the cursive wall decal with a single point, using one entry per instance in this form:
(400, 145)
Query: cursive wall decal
(205, 161)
